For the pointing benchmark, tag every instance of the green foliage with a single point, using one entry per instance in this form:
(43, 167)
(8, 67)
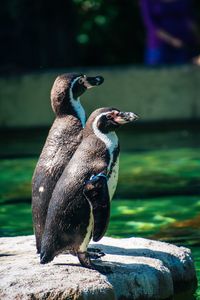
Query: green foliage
(46, 34)
(106, 31)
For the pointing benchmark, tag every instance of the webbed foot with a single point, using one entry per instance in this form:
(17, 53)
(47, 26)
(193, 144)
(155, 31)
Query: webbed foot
(85, 261)
(95, 253)
(94, 249)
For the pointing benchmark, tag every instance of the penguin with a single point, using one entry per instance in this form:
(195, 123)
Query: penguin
(63, 139)
(80, 205)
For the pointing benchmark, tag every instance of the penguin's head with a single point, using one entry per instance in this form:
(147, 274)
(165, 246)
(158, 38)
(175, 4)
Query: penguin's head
(109, 119)
(69, 87)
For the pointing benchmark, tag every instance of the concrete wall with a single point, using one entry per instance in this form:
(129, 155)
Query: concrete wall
(154, 94)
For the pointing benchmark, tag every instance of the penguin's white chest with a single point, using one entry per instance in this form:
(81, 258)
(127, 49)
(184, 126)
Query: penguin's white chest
(113, 179)
(111, 142)
(90, 228)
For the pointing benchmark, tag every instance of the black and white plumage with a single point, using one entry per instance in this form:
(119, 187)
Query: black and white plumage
(80, 205)
(63, 139)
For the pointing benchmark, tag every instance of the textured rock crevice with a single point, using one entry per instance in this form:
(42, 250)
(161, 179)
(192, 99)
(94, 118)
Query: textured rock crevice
(141, 269)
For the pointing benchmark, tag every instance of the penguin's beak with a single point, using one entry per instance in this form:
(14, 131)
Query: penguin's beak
(93, 81)
(125, 117)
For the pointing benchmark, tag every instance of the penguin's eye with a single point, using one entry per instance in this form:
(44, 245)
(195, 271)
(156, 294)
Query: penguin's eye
(81, 80)
(109, 117)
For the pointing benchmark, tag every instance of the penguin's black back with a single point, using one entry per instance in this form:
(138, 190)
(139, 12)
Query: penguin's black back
(64, 137)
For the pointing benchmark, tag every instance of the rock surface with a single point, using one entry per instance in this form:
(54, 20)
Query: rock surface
(141, 269)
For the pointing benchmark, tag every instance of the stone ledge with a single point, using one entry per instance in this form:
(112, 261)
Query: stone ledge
(155, 94)
(142, 269)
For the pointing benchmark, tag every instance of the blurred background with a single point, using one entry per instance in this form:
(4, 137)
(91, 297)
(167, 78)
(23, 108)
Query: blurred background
(38, 35)
(148, 52)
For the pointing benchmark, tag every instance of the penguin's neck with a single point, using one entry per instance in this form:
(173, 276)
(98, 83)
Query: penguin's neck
(78, 108)
(76, 105)
(110, 140)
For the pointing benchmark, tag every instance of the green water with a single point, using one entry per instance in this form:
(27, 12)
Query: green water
(157, 196)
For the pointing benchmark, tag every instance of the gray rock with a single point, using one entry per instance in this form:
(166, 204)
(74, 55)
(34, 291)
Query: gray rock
(141, 269)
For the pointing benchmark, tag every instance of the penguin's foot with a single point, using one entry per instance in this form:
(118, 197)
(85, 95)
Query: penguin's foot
(96, 250)
(84, 259)
(95, 253)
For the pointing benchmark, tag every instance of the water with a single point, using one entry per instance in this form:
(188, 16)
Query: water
(157, 196)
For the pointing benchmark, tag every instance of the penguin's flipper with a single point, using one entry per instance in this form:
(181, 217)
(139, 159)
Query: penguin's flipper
(96, 192)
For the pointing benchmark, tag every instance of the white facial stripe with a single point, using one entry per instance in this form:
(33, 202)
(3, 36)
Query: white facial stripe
(110, 140)
(73, 83)
(76, 103)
